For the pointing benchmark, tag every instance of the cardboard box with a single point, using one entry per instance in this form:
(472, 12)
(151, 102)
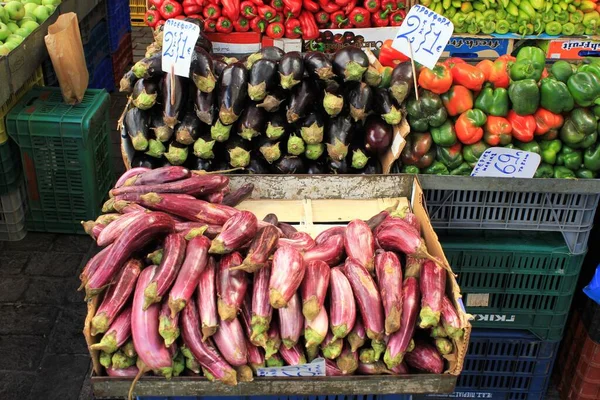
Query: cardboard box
(286, 45)
(331, 40)
(572, 49)
(477, 46)
(235, 43)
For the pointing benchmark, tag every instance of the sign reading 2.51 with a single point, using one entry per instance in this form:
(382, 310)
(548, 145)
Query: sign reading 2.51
(179, 40)
(428, 34)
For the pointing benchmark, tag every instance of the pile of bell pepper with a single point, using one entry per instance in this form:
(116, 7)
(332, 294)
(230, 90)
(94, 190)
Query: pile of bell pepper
(277, 19)
(464, 109)
(522, 17)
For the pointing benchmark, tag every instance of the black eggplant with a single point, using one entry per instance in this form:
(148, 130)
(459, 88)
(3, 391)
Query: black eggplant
(271, 219)
(373, 167)
(145, 161)
(333, 100)
(402, 82)
(144, 94)
(137, 127)
(271, 151)
(201, 71)
(357, 155)
(263, 78)
(276, 126)
(233, 92)
(218, 66)
(290, 165)
(378, 135)
(350, 63)
(204, 43)
(186, 131)
(314, 151)
(173, 92)
(150, 67)
(257, 166)
(316, 168)
(198, 164)
(161, 131)
(205, 107)
(291, 69)
(128, 82)
(360, 98)
(220, 132)
(203, 147)
(156, 148)
(312, 127)
(302, 97)
(318, 65)
(251, 59)
(251, 122)
(272, 53)
(177, 153)
(338, 166)
(384, 106)
(274, 100)
(339, 135)
(295, 145)
(238, 152)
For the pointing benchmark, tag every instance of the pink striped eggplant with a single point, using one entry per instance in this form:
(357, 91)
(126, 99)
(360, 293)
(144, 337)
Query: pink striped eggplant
(130, 174)
(231, 342)
(377, 219)
(236, 197)
(331, 368)
(246, 314)
(400, 369)
(273, 342)
(389, 277)
(129, 372)
(332, 347)
(113, 231)
(92, 265)
(347, 362)
(301, 241)
(433, 287)
(275, 361)
(357, 337)
(231, 286)
(116, 334)
(158, 176)
(406, 215)
(188, 208)
(359, 243)
(286, 275)
(256, 359)
(331, 251)
(291, 322)
(128, 207)
(326, 234)
(314, 288)
(262, 247)
(396, 234)
(293, 356)
(376, 368)
(168, 326)
(342, 307)
(207, 299)
(426, 358)
(93, 228)
(401, 341)
(116, 296)
(315, 331)
(155, 258)
(190, 360)
(261, 308)
(444, 346)
(215, 198)
(287, 229)
(196, 185)
(413, 267)
(238, 230)
(107, 219)
(438, 332)
(173, 255)
(451, 320)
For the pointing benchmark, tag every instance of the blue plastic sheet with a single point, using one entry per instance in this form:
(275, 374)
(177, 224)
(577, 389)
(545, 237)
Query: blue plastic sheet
(593, 289)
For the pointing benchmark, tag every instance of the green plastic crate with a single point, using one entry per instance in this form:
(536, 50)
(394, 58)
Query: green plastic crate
(10, 166)
(513, 280)
(66, 157)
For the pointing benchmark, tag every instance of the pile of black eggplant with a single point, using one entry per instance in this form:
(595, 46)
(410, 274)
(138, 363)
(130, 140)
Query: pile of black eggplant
(270, 112)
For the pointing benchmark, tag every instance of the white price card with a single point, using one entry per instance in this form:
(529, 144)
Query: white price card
(428, 33)
(179, 40)
(315, 368)
(507, 163)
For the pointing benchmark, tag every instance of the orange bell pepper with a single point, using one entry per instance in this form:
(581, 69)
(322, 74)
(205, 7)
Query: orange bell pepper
(457, 100)
(523, 126)
(437, 80)
(497, 131)
(449, 62)
(486, 67)
(545, 121)
(468, 126)
(390, 57)
(467, 75)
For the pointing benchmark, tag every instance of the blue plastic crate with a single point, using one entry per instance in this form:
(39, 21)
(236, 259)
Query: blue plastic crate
(331, 397)
(504, 364)
(119, 22)
(103, 76)
(96, 50)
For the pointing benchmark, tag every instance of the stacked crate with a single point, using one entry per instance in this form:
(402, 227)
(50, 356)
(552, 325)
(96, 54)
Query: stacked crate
(119, 28)
(137, 9)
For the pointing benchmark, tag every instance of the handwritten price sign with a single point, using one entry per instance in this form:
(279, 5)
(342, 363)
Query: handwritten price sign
(315, 368)
(428, 34)
(507, 163)
(179, 41)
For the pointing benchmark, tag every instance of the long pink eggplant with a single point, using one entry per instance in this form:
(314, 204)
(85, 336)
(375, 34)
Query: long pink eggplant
(188, 208)
(113, 231)
(377, 219)
(444, 346)
(400, 369)
(286, 276)
(287, 229)
(314, 288)
(231, 286)
(376, 368)
(207, 299)
(357, 337)
(173, 256)
(234, 198)
(426, 358)
(158, 176)
(92, 228)
(237, 231)
(128, 207)
(130, 174)
(294, 355)
(256, 358)
(389, 277)
(116, 296)
(359, 243)
(291, 322)
(400, 342)
(326, 234)
(433, 287)
(231, 342)
(451, 320)
(196, 258)
(168, 326)
(92, 265)
(331, 251)
(117, 334)
(301, 241)
(129, 372)
(331, 368)
(215, 198)
(332, 347)
(347, 362)
(107, 219)
(205, 353)
(135, 237)
(368, 298)
(246, 314)
(273, 342)
(262, 247)
(315, 331)
(413, 267)
(262, 311)
(194, 186)
(342, 307)
(190, 360)
(396, 234)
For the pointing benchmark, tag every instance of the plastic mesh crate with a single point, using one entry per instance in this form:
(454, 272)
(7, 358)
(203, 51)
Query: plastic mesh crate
(96, 50)
(590, 315)
(66, 157)
(13, 205)
(10, 166)
(103, 76)
(86, 25)
(137, 9)
(122, 59)
(324, 397)
(510, 365)
(513, 280)
(119, 23)
(569, 213)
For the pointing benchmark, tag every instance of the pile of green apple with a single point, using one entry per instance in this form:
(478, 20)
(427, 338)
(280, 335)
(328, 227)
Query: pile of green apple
(18, 19)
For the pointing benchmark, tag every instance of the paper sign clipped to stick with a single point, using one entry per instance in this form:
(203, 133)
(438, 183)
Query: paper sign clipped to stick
(507, 163)
(428, 33)
(315, 368)
(179, 40)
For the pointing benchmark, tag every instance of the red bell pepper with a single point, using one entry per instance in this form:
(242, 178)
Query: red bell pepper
(497, 131)
(484, 66)
(390, 5)
(278, 18)
(499, 76)
(469, 125)
(397, 18)
(224, 25)
(155, 3)
(212, 11)
(310, 30)
(449, 62)
(381, 18)
(311, 5)
(267, 12)
(360, 18)
(438, 80)
(256, 2)
(231, 9)
(342, 3)
(322, 18)
(338, 18)
(293, 30)
(390, 57)
(401, 4)
(467, 75)
(180, 17)
(328, 6)
(196, 16)
(170, 9)
(241, 25)
(457, 100)
(507, 58)
(151, 18)
(248, 9)
(200, 2)
(210, 25)
(295, 6)
(545, 121)
(258, 24)
(348, 8)
(160, 23)
(523, 126)
(275, 30)
(277, 4)
(190, 7)
(372, 5)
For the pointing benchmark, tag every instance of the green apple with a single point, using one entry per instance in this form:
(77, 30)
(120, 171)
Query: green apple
(4, 50)
(11, 45)
(29, 7)
(3, 15)
(12, 26)
(15, 9)
(38, 2)
(50, 8)
(30, 26)
(24, 20)
(41, 14)
(14, 39)
(4, 31)
(51, 2)
(22, 32)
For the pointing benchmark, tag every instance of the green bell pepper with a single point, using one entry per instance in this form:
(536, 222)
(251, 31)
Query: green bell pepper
(530, 64)
(410, 169)
(463, 169)
(570, 158)
(525, 96)
(579, 129)
(593, 68)
(585, 174)
(562, 70)
(437, 168)
(532, 146)
(563, 173)
(427, 112)
(555, 96)
(591, 158)
(550, 150)
(493, 101)
(544, 171)
(472, 152)
(444, 135)
(451, 156)
(584, 87)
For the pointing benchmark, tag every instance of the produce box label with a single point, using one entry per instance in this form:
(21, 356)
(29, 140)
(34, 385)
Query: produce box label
(315, 368)
(178, 44)
(507, 163)
(235, 43)
(332, 40)
(472, 47)
(573, 49)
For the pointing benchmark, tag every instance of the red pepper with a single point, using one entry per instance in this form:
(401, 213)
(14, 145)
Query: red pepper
(196, 16)
(381, 18)
(258, 24)
(372, 5)
(469, 125)
(190, 7)
(275, 30)
(328, 6)
(311, 6)
(267, 12)
(258, 2)
(160, 23)
(350, 7)
(342, 3)
(155, 3)
(545, 121)
(170, 9)
(200, 2)
(278, 18)
(277, 4)
(390, 57)
(241, 25)
(152, 17)
(310, 30)
(397, 18)
(248, 9)
(231, 9)
(338, 18)
(181, 17)
(322, 18)
(389, 5)
(295, 6)
(523, 126)
(293, 30)
(401, 4)
(224, 25)
(360, 18)
(212, 11)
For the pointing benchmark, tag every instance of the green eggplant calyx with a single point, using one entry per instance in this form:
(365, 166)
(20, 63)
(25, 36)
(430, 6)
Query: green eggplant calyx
(239, 157)
(257, 92)
(204, 149)
(205, 84)
(312, 134)
(354, 71)
(333, 104)
(288, 81)
(359, 159)
(274, 132)
(271, 152)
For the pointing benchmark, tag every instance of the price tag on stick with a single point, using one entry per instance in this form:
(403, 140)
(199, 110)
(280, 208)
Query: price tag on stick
(423, 35)
(507, 163)
(315, 368)
(179, 40)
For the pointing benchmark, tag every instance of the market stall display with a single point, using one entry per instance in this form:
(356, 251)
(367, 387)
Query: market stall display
(19, 19)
